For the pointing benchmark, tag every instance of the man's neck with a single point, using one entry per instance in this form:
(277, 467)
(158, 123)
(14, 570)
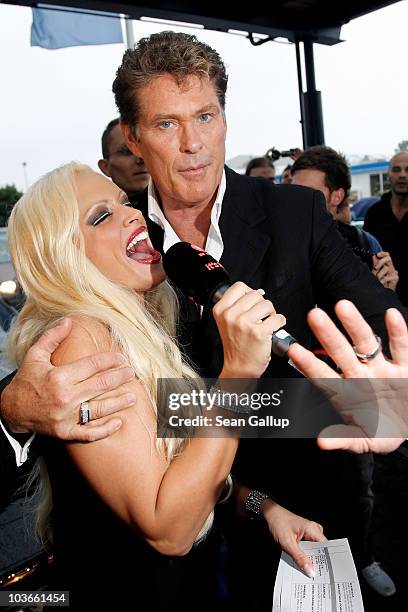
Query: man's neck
(399, 205)
(191, 223)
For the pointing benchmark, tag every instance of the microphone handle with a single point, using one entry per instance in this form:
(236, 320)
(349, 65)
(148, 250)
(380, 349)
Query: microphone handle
(281, 339)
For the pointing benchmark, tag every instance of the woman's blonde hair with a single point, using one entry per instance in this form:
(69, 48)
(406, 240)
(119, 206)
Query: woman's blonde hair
(48, 254)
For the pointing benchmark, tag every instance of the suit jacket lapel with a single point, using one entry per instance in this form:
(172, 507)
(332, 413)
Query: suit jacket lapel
(244, 242)
(245, 246)
(156, 233)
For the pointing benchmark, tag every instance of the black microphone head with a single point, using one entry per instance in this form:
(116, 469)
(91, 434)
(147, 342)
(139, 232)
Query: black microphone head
(195, 272)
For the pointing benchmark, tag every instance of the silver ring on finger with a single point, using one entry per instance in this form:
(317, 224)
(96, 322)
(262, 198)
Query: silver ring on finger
(84, 413)
(365, 357)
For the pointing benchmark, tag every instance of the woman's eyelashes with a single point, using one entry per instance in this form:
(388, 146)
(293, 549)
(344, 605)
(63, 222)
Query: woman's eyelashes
(99, 217)
(102, 214)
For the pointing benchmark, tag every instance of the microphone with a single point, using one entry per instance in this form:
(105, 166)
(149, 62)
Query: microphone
(204, 279)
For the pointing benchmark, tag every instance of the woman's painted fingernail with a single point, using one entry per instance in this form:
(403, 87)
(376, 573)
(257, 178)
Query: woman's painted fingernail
(309, 571)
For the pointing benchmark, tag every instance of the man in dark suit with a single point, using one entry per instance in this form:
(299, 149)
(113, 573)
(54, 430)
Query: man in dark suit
(170, 91)
(387, 220)
(279, 238)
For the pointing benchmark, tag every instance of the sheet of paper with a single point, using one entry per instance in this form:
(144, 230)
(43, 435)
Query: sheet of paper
(334, 589)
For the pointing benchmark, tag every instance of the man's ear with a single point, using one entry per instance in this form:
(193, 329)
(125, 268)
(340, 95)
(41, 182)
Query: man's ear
(130, 139)
(103, 167)
(336, 198)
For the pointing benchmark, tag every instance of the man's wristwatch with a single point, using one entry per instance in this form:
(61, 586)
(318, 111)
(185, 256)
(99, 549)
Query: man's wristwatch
(253, 503)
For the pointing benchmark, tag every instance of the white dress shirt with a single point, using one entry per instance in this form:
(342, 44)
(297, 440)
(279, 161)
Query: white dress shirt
(21, 452)
(214, 244)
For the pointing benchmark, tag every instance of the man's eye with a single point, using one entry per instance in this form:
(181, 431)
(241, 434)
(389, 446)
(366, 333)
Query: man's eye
(100, 217)
(166, 124)
(205, 117)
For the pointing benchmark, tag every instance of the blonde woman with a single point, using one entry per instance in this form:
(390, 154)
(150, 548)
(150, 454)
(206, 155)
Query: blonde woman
(128, 508)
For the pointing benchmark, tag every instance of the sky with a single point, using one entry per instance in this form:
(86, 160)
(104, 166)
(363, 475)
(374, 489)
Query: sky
(54, 105)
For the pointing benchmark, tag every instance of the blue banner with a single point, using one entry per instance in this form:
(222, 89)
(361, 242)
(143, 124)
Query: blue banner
(59, 27)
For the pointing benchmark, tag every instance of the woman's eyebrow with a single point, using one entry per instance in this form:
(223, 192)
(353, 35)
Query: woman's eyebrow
(122, 197)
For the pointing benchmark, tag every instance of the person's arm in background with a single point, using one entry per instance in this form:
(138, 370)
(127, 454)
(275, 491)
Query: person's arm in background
(296, 153)
(384, 270)
(340, 274)
(375, 246)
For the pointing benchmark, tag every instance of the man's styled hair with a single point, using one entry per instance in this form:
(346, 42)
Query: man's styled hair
(105, 137)
(180, 55)
(258, 162)
(327, 160)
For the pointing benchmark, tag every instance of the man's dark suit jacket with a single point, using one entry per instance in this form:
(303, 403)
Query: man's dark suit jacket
(281, 238)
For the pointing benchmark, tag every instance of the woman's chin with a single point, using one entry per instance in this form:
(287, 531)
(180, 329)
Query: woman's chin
(157, 277)
(145, 276)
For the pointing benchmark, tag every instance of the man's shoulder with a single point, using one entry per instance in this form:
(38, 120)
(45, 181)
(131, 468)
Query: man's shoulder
(249, 188)
(379, 207)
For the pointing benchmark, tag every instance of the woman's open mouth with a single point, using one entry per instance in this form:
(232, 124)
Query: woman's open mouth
(140, 249)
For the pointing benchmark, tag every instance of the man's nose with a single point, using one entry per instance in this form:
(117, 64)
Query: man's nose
(190, 139)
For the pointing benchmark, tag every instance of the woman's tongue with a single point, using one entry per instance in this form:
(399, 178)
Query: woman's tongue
(141, 251)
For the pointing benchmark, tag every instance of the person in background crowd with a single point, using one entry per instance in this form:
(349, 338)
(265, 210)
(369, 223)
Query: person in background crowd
(261, 166)
(126, 170)
(387, 220)
(322, 168)
(286, 178)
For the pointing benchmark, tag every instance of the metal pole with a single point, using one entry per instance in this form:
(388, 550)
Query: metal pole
(130, 37)
(312, 100)
(300, 89)
(309, 65)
